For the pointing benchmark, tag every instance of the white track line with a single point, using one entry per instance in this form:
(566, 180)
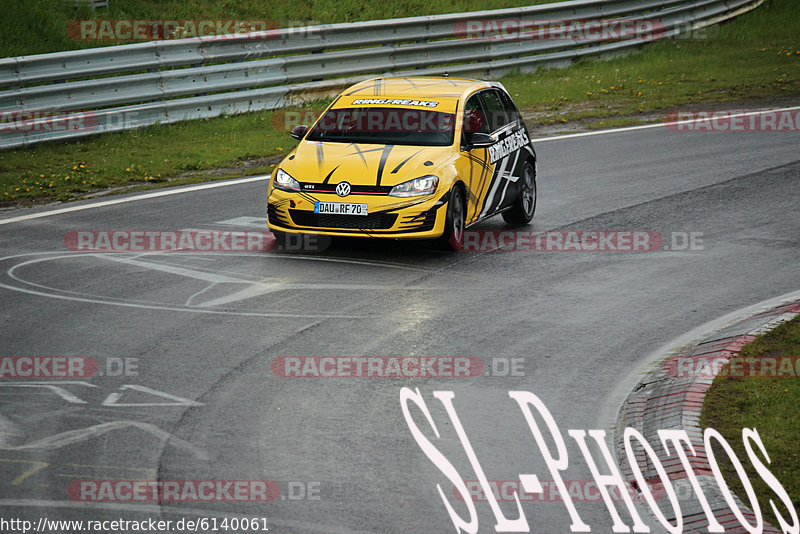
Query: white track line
(238, 181)
(661, 124)
(189, 189)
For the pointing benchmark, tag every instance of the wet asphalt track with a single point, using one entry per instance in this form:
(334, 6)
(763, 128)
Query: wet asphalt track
(203, 330)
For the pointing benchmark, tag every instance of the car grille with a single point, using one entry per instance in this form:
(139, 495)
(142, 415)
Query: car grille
(377, 221)
(354, 189)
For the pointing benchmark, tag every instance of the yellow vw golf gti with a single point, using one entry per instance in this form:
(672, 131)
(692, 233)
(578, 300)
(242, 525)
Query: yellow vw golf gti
(411, 157)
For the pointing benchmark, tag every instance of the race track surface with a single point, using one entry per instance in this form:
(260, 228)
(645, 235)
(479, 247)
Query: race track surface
(201, 332)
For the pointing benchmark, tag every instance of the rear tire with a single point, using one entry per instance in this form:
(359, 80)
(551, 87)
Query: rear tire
(453, 236)
(525, 204)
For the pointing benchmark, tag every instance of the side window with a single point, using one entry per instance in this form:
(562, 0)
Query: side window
(495, 111)
(474, 117)
(511, 109)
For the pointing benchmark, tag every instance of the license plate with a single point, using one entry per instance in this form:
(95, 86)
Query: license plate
(340, 208)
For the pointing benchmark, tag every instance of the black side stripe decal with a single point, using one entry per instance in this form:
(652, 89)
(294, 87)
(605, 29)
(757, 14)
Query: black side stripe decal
(308, 197)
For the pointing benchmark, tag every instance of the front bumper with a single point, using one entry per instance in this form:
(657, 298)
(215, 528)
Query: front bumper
(391, 217)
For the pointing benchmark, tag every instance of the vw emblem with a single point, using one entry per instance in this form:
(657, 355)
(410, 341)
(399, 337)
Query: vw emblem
(343, 189)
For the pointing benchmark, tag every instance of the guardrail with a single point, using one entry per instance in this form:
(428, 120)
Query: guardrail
(94, 4)
(159, 82)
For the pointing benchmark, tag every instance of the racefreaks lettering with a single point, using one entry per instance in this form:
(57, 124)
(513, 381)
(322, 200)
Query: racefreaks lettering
(377, 367)
(508, 145)
(395, 102)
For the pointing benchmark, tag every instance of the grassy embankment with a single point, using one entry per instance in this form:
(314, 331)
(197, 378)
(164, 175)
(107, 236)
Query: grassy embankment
(768, 404)
(755, 56)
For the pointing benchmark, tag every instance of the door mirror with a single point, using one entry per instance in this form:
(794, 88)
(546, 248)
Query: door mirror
(298, 132)
(480, 140)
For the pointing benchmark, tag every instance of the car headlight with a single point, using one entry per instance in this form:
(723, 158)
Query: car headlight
(285, 182)
(424, 185)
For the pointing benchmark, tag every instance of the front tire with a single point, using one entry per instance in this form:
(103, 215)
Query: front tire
(453, 236)
(524, 205)
(280, 239)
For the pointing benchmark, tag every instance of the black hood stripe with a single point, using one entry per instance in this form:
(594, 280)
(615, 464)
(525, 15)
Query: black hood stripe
(320, 155)
(399, 165)
(327, 178)
(386, 151)
(359, 152)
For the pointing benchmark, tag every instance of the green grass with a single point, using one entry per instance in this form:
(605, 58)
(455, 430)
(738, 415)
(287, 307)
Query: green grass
(768, 405)
(182, 153)
(755, 56)
(40, 26)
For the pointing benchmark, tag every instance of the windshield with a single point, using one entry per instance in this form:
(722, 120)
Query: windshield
(385, 126)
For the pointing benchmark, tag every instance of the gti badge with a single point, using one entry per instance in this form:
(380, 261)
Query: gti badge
(343, 189)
